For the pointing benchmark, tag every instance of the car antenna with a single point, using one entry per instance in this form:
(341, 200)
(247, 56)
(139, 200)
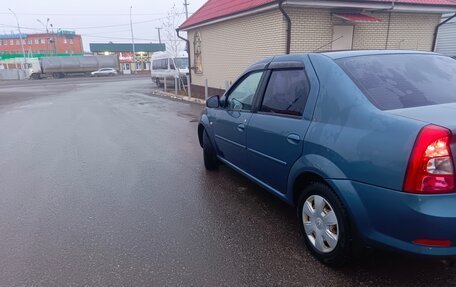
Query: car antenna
(327, 44)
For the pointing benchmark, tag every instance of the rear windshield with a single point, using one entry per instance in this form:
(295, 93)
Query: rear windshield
(403, 80)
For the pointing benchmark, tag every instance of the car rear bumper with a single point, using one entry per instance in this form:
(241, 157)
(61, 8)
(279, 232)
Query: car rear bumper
(393, 219)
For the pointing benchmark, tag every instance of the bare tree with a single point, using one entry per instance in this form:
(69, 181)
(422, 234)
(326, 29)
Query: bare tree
(170, 23)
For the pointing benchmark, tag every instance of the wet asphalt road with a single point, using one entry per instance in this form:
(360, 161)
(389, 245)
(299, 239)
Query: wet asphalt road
(102, 184)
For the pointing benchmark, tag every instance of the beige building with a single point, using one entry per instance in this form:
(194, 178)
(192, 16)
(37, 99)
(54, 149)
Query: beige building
(226, 36)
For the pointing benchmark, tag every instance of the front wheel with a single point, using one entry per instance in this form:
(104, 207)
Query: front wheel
(324, 224)
(210, 156)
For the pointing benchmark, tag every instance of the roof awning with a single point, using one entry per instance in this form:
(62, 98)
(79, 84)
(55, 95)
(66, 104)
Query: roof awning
(357, 17)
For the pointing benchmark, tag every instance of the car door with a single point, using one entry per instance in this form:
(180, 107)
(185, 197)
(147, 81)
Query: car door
(232, 119)
(276, 132)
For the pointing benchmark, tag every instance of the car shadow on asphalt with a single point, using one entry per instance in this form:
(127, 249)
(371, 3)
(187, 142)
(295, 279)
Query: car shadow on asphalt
(378, 267)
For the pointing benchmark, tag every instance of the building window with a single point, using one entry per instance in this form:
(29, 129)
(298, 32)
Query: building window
(64, 40)
(43, 41)
(30, 42)
(37, 41)
(198, 53)
(17, 42)
(71, 41)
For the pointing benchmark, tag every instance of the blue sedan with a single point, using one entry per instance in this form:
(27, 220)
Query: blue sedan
(361, 143)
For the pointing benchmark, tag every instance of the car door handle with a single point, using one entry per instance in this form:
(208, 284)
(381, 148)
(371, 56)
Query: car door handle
(294, 139)
(241, 127)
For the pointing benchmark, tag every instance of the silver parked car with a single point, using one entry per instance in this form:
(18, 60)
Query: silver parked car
(104, 72)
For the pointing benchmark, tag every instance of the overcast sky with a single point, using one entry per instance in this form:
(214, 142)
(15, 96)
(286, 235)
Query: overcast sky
(86, 16)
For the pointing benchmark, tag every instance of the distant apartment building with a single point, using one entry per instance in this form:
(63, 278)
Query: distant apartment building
(137, 62)
(62, 42)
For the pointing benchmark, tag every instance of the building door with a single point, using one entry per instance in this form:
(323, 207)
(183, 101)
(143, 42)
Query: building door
(342, 37)
(126, 68)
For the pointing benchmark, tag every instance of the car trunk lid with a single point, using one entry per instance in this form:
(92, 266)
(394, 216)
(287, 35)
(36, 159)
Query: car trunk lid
(441, 115)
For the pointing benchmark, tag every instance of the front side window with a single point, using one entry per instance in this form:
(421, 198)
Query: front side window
(286, 93)
(241, 98)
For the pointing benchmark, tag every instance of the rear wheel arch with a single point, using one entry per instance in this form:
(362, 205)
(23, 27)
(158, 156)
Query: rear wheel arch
(304, 180)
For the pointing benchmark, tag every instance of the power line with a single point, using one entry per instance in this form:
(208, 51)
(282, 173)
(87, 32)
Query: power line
(87, 14)
(92, 27)
(112, 26)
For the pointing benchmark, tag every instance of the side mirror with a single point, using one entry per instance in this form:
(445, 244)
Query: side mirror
(213, 102)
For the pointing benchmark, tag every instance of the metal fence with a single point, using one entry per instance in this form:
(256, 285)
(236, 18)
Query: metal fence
(12, 74)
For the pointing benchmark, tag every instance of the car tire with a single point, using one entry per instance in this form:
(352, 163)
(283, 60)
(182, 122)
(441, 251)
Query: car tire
(209, 154)
(329, 243)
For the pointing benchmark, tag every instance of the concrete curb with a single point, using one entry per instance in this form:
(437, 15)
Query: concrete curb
(182, 98)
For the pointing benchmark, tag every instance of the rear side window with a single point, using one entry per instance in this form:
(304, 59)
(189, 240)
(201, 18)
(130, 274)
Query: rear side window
(286, 93)
(403, 80)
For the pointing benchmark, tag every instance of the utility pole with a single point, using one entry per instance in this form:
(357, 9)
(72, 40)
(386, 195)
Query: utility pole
(20, 37)
(53, 39)
(186, 8)
(159, 36)
(132, 39)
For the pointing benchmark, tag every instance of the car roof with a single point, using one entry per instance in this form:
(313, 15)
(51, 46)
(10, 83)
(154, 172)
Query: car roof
(356, 53)
(334, 55)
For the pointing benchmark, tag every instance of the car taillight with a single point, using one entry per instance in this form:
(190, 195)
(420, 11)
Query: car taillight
(431, 167)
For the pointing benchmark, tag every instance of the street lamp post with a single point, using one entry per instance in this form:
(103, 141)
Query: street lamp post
(132, 40)
(47, 33)
(20, 37)
(44, 25)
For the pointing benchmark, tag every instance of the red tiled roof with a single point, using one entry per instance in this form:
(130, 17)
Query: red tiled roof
(214, 9)
(356, 17)
(218, 8)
